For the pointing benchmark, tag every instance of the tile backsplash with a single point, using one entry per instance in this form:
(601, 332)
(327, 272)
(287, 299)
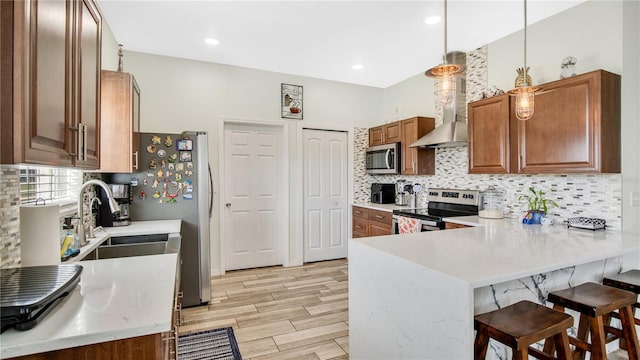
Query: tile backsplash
(10, 217)
(576, 194)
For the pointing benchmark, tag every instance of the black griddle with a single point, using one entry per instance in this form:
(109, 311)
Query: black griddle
(28, 294)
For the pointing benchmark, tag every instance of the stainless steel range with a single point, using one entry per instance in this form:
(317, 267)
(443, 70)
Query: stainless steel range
(441, 203)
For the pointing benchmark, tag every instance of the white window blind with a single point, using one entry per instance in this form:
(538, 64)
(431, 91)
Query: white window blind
(50, 184)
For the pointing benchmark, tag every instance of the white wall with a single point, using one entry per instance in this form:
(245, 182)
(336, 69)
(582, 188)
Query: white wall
(409, 98)
(109, 48)
(631, 114)
(590, 32)
(179, 94)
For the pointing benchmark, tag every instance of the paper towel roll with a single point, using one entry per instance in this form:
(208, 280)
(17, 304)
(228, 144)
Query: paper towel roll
(40, 235)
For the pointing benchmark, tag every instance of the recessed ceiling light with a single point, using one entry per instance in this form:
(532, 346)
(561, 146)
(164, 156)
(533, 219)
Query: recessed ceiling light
(211, 41)
(357, 67)
(431, 20)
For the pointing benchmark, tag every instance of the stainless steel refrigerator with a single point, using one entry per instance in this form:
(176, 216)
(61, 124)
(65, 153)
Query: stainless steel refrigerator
(174, 182)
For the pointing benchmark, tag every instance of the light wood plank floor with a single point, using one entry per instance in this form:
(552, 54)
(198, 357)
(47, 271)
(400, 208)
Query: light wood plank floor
(280, 313)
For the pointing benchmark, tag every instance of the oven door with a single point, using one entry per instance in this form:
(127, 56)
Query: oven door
(383, 159)
(425, 225)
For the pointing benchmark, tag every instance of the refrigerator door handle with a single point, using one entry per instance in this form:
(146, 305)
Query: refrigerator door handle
(210, 192)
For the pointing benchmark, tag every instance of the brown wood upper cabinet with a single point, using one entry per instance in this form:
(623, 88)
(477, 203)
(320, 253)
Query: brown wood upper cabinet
(120, 128)
(575, 129)
(51, 53)
(488, 134)
(416, 161)
(385, 134)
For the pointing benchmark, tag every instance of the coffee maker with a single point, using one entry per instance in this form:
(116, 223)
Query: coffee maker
(123, 196)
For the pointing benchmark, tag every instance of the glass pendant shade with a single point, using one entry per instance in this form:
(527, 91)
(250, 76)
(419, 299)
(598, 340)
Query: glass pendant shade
(445, 89)
(445, 74)
(525, 105)
(525, 93)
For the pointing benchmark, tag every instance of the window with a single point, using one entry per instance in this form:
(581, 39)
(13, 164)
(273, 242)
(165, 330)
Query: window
(49, 184)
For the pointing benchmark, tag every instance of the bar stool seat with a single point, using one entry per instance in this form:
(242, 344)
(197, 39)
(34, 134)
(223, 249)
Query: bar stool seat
(628, 280)
(595, 303)
(520, 325)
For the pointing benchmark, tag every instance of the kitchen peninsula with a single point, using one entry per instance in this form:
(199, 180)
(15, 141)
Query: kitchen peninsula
(415, 295)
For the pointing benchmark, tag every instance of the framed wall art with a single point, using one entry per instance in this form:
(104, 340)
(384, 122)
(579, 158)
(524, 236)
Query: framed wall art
(291, 101)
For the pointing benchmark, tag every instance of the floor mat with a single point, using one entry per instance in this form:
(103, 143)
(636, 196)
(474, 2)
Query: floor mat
(218, 344)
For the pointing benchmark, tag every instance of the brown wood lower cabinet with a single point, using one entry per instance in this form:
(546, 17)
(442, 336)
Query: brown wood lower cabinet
(370, 222)
(448, 225)
(147, 347)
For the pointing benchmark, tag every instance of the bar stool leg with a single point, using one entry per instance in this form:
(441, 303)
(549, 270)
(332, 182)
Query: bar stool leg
(629, 329)
(598, 339)
(480, 345)
(562, 347)
(583, 332)
(522, 354)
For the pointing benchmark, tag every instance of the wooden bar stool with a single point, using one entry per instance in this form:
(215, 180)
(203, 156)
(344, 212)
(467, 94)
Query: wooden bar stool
(630, 281)
(520, 325)
(595, 303)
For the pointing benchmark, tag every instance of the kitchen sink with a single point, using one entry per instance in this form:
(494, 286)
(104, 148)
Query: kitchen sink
(116, 251)
(118, 247)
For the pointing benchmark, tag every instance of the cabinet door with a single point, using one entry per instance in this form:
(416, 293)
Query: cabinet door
(120, 122)
(87, 83)
(136, 125)
(360, 228)
(392, 133)
(416, 161)
(44, 74)
(566, 133)
(376, 136)
(378, 229)
(489, 139)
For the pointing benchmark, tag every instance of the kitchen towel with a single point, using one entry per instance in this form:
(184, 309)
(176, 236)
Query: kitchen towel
(39, 235)
(407, 225)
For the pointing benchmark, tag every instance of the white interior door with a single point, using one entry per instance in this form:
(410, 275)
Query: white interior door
(325, 194)
(253, 194)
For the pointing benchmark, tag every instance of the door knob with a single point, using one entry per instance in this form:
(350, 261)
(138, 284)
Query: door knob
(227, 204)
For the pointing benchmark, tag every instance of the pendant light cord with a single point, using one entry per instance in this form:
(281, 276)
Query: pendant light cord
(444, 60)
(525, 46)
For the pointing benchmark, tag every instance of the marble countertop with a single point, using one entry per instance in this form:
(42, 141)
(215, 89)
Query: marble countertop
(115, 299)
(494, 251)
(380, 207)
(135, 228)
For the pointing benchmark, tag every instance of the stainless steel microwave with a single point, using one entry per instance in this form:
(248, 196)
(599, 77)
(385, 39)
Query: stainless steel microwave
(383, 159)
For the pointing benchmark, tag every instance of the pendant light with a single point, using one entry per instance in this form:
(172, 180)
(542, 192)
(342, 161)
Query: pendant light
(445, 74)
(525, 93)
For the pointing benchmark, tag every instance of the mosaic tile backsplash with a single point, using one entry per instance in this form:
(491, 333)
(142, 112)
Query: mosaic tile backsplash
(10, 217)
(576, 194)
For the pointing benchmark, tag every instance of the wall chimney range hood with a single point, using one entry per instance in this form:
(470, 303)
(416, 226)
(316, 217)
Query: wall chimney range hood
(453, 131)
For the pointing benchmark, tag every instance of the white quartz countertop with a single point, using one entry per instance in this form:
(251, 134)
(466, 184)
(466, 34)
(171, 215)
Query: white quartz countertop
(381, 207)
(495, 251)
(115, 299)
(135, 228)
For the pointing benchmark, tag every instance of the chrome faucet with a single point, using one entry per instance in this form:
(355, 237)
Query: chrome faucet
(113, 205)
(92, 223)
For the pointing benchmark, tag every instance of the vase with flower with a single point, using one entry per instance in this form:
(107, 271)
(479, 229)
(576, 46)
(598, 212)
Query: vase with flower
(538, 205)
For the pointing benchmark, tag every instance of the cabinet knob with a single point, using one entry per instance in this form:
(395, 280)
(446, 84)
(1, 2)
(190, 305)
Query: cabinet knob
(227, 205)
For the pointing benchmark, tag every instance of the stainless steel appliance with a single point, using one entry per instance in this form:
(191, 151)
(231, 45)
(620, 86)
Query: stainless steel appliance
(122, 195)
(175, 183)
(441, 203)
(383, 193)
(383, 159)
